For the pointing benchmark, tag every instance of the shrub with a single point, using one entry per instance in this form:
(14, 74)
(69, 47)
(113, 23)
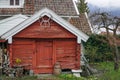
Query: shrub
(97, 49)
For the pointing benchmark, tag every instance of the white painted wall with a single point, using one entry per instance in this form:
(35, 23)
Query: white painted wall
(6, 4)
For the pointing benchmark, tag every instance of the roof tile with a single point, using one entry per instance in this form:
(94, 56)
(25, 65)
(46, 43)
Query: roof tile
(61, 7)
(81, 23)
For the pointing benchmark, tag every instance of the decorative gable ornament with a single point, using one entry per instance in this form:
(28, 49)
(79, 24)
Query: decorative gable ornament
(45, 22)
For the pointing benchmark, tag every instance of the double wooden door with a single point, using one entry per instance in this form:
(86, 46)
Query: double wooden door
(44, 54)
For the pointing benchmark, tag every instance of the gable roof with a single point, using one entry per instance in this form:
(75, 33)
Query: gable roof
(60, 7)
(82, 23)
(9, 23)
(46, 12)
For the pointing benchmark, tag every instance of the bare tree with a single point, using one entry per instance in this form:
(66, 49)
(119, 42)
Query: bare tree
(110, 24)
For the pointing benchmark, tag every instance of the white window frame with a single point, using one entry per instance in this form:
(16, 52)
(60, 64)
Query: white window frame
(14, 3)
(21, 4)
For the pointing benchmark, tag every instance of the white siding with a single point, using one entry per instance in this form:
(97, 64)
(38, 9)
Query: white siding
(6, 4)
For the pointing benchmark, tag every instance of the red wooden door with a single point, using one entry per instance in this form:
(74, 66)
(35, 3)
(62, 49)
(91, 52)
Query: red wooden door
(44, 56)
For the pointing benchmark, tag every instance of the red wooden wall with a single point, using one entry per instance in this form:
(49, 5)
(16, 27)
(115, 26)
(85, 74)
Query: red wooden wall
(39, 48)
(38, 31)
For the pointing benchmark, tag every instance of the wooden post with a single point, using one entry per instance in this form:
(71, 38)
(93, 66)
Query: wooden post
(1, 61)
(10, 54)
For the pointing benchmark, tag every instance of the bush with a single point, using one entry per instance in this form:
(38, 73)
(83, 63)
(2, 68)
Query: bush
(97, 49)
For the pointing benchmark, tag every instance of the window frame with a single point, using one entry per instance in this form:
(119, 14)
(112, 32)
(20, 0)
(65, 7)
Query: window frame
(9, 4)
(14, 2)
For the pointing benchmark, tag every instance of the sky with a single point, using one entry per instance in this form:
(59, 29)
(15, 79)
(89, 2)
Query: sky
(105, 3)
(112, 6)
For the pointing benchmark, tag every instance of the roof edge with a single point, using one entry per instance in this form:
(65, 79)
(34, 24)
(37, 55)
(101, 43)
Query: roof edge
(75, 6)
(89, 22)
(45, 11)
(15, 16)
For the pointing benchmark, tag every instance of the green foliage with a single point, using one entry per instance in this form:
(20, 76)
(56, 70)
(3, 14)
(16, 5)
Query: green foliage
(106, 70)
(97, 49)
(70, 77)
(82, 6)
(109, 73)
(106, 66)
(112, 75)
(18, 78)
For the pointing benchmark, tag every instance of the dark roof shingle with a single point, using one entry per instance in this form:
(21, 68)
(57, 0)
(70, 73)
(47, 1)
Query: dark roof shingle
(61, 7)
(81, 23)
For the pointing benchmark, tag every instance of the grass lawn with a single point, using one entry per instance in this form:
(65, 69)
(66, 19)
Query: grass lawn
(108, 73)
(18, 78)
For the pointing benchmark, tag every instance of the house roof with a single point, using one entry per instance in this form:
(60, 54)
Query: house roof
(9, 23)
(63, 8)
(81, 23)
(60, 7)
(46, 12)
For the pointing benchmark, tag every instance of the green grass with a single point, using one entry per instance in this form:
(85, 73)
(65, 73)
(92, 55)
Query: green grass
(111, 75)
(107, 69)
(70, 77)
(105, 66)
(18, 78)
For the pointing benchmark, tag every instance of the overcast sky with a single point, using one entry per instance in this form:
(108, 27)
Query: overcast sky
(105, 3)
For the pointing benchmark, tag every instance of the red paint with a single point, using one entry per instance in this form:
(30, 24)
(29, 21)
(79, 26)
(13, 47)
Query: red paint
(2, 40)
(40, 48)
(66, 53)
(37, 31)
(44, 55)
(23, 49)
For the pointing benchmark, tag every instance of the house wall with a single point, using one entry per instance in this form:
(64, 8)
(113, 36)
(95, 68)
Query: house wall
(27, 8)
(4, 3)
(39, 48)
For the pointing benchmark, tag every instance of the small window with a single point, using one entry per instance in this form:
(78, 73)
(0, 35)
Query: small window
(14, 2)
(11, 2)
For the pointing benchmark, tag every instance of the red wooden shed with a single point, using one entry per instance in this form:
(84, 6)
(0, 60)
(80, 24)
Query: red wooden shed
(44, 39)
